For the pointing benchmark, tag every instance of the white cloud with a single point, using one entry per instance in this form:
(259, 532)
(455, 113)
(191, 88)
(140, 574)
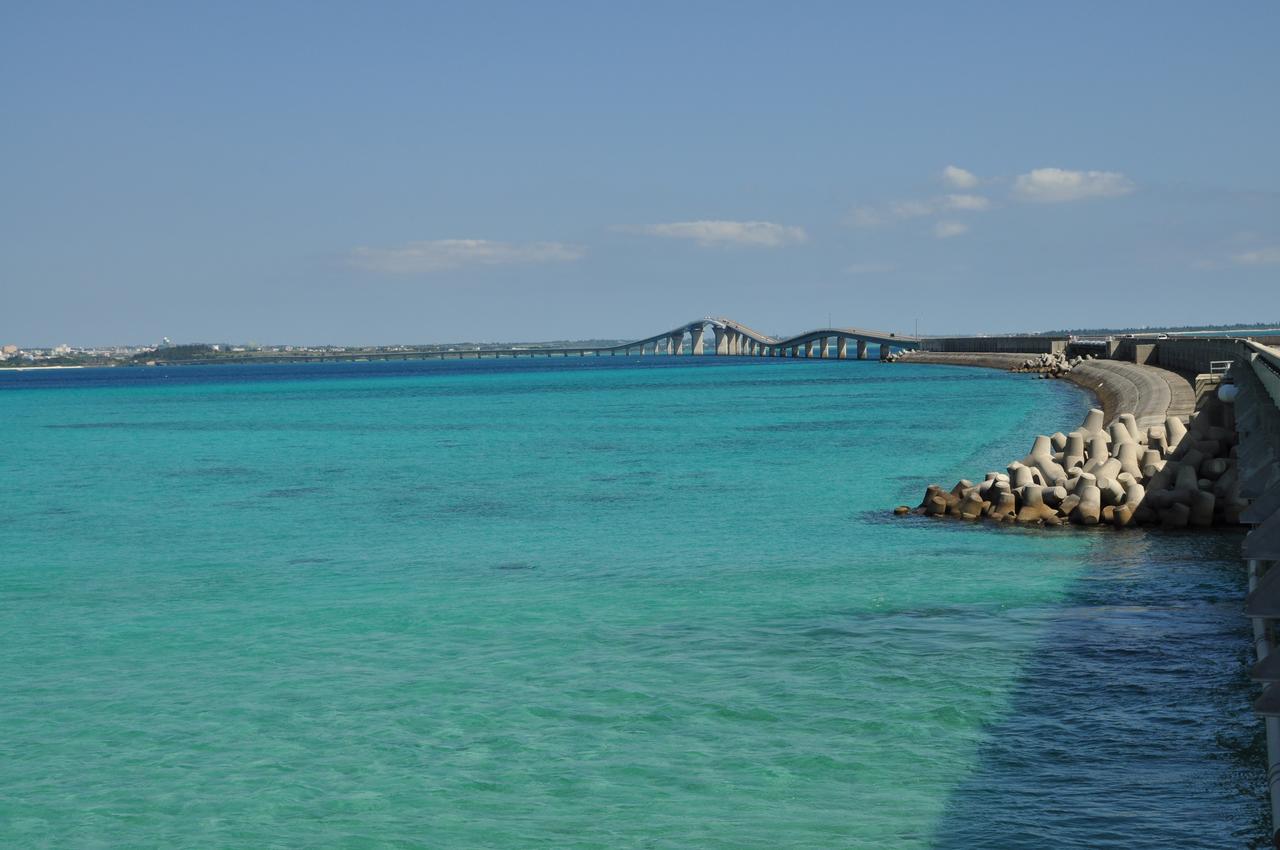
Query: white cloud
(711, 232)
(1054, 185)
(447, 254)
(948, 229)
(1260, 257)
(958, 178)
(973, 203)
(905, 210)
(869, 268)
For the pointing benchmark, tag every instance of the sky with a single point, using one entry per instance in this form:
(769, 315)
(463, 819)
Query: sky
(359, 173)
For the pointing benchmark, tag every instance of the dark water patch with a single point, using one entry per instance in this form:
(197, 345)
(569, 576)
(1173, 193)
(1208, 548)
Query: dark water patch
(1131, 726)
(806, 426)
(293, 492)
(308, 561)
(610, 497)
(212, 472)
(625, 479)
(486, 508)
(514, 566)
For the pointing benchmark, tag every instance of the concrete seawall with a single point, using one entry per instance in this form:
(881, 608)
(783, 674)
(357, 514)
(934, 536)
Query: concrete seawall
(1149, 393)
(995, 344)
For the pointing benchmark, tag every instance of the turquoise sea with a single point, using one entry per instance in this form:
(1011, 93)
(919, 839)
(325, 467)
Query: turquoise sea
(590, 603)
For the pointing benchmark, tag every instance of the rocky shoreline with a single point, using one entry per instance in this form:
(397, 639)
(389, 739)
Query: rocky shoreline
(1146, 457)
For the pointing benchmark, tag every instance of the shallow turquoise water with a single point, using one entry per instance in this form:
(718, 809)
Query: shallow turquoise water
(605, 603)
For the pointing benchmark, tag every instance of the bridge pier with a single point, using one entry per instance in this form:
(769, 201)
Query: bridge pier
(823, 344)
(862, 349)
(675, 344)
(696, 334)
(842, 348)
(722, 341)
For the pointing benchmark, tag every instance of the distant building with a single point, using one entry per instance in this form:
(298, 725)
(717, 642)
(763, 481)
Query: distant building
(9, 349)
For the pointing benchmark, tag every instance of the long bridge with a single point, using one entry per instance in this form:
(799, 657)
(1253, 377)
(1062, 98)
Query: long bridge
(736, 339)
(728, 338)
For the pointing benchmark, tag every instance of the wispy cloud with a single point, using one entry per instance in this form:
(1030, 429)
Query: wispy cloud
(1260, 257)
(1057, 185)
(959, 178)
(974, 203)
(869, 268)
(447, 254)
(948, 229)
(870, 216)
(708, 233)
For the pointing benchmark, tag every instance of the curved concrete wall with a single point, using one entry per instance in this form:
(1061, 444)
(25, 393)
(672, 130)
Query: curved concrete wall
(1001, 344)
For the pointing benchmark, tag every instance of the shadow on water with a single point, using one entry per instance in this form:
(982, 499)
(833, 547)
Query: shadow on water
(1130, 726)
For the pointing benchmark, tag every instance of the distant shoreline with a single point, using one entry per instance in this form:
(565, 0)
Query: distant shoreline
(41, 368)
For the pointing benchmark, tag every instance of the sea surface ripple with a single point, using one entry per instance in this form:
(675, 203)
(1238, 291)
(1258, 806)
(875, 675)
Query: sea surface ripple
(590, 603)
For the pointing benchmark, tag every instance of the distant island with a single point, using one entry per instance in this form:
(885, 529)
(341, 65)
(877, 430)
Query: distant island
(14, 357)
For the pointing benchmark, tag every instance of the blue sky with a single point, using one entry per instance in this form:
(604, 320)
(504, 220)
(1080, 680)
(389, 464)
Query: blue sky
(364, 173)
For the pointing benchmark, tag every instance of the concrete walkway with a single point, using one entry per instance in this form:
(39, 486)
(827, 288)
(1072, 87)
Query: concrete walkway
(1149, 393)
